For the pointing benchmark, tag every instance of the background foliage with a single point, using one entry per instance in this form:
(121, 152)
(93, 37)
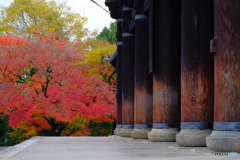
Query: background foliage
(25, 17)
(109, 34)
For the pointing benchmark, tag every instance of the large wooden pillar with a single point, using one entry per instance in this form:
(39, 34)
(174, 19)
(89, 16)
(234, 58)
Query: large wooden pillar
(115, 9)
(142, 79)
(119, 76)
(127, 75)
(196, 72)
(166, 71)
(226, 132)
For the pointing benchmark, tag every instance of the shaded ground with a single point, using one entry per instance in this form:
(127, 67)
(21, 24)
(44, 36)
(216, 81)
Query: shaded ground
(2, 148)
(103, 148)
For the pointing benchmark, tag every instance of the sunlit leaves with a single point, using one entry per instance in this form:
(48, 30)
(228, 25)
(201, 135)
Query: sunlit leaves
(25, 17)
(95, 52)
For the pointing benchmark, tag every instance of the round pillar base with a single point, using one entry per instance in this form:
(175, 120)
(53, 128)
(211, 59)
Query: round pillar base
(224, 141)
(192, 137)
(140, 133)
(163, 135)
(126, 132)
(117, 131)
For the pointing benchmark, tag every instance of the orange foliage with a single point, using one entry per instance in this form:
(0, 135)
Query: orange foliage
(43, 84)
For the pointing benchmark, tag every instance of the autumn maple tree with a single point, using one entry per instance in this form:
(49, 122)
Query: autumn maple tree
(46, 87)
(95, 51)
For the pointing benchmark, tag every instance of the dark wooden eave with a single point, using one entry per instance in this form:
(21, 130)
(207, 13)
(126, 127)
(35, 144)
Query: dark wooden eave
(146, 5)
(115, 8)
(112, 59)
(128, 3)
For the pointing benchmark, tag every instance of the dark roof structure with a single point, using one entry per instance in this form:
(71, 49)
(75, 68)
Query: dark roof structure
(112, 59)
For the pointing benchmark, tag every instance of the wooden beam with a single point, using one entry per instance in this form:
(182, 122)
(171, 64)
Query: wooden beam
(166, 75)
(143, 79)
(196, 73)
(225, 136)
(197, 63)
(119, 72)
(127, 71)
(227, 64)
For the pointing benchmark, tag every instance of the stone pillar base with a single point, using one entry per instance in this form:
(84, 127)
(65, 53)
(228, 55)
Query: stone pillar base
(224, 141)
(163, 135)
(192, 137)
(140, 133)
(126, 132)
(116, 131)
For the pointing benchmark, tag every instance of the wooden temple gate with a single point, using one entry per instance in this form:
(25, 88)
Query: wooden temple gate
(178, 64)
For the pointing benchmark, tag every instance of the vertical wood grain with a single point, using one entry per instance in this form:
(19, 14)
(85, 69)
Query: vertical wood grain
(127, 72)
(227, 61)
(143, 79)
(196, 62)
(119, 74)
(166, 73)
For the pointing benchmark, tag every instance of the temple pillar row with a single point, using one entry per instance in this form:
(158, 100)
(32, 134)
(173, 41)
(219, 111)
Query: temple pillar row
(171, 87)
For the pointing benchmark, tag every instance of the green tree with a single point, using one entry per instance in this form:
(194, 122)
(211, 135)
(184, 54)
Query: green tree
(100, 129)
(109, 34)
(3, 129)
(25, 17)
(5, 139)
